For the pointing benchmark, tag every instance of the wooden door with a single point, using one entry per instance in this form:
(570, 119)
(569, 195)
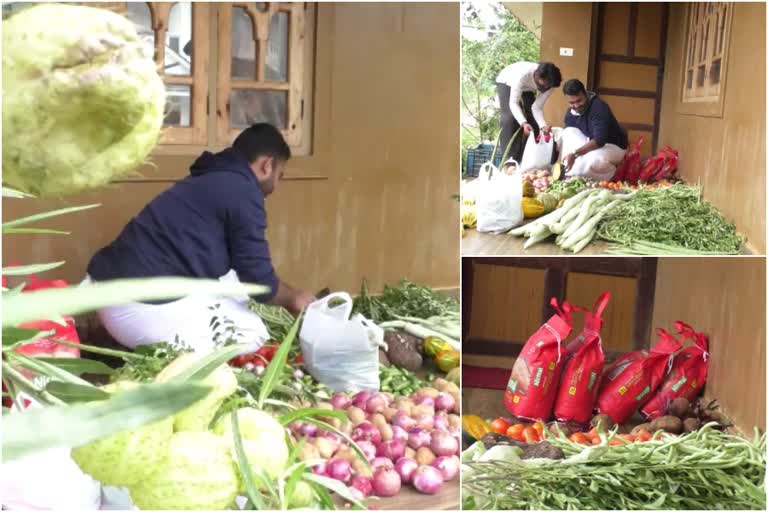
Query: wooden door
(628, 65)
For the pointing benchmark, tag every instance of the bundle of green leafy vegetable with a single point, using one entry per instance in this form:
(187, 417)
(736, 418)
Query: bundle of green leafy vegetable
(706, 469)
(672, 219)
(406, 299)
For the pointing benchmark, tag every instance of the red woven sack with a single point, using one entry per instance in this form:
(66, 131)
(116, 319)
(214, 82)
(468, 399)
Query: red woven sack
(688, 374)
(630, 382)
(583, 369)
(533, 383)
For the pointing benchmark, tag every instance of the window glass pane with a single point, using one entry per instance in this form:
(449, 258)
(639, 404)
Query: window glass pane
(689, 79)
(178, 105)
(277, 50)
(244, 45)
(700, 76)
(249, 106)
(714, 73)
(141, 16)
(178, 40)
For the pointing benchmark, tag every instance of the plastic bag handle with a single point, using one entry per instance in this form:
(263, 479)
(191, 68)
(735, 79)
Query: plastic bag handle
(564, 311)
(700, 339)
(342, 312)
(601, 303)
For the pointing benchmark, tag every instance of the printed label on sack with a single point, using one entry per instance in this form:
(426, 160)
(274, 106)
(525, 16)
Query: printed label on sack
(643, 393)
(537, 378)
(592, 380)
(677, 385)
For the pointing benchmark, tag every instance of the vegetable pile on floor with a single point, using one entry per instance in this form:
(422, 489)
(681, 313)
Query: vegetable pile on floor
(707, 469)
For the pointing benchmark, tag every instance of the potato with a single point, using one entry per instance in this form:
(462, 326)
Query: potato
(386, 432)
(346, 427)
(670, 424)
(452, 388)
(347, 454)
(402, 351)
(389, 396)
(361, 468)
(648, 427)
(390, 413)
(440, 384)
(324, 447)
(335, 422)
(410, 452)
(604, 421)
(430, 392)
(378, 420)
(422, 409)
(679, 407)
(454, 420)
(309, 452)
(691, 425)
(424, 456)
(356, 415)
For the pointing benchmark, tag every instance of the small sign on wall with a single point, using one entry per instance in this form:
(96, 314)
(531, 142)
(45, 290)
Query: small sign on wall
(566, 52)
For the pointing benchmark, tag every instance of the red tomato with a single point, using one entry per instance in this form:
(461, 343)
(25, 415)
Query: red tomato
(499, 425)
(530, 435)
(579, 438)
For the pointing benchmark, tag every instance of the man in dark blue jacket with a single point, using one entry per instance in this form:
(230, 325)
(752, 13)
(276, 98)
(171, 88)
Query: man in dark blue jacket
(593, 143)
(210, 225)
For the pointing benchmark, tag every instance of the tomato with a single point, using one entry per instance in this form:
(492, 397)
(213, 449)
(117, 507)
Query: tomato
(530, 435)
(539, 428)
(499, 425)
(579, 438)
(299, 359)
(644, 436)
(516, 432)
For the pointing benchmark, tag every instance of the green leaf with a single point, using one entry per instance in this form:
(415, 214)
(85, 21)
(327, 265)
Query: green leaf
(245, 468)
(335, 486)
(290, 483)
(45, 215)
(206, 366)
(47, 369)
(74, 425)
(25, 270)
(15, 194)
(14, 335)
(34, 231)
(75, 393)
(323, 495)
(78, 366)
(275, 367)
(72, 300)
(290, 417)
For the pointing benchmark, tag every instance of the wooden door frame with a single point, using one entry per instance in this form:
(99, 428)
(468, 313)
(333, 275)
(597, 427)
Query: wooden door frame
(555, 274)
(593, 73)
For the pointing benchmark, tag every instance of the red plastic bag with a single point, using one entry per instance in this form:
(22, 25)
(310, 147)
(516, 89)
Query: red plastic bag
(583, 369)
(650, 167)
(630, 382)
(533, 382)
(688, 375)
(631, 161)
(669, 167)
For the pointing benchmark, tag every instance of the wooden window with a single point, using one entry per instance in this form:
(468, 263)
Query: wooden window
(706, 53)
(262, 70)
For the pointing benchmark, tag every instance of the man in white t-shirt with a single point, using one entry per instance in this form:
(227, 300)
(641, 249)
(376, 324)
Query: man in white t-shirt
(516, 87)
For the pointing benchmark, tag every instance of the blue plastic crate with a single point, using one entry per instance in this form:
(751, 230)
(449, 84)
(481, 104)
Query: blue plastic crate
(477, 156)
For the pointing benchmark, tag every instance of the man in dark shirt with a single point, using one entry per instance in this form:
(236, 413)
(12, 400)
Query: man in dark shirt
(211, 224)
(593, 143)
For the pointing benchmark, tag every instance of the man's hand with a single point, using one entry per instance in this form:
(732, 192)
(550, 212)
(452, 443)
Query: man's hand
(300, 300)
(546, 130)
(527, 129)
(569, 159)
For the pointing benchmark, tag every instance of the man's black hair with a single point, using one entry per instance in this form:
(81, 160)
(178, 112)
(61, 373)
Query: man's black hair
(549, 72)
(574, 87)
(262, 139)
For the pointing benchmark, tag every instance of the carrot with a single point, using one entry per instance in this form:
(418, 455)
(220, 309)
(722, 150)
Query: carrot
(596, 441)
(643, 436)
(593, 434)
(579, 438)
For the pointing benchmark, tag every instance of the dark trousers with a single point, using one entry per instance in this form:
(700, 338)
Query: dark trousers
(509, 124)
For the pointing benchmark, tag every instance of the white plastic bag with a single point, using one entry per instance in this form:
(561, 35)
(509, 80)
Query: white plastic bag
(499, 200)
(339, 351)
(537, 155)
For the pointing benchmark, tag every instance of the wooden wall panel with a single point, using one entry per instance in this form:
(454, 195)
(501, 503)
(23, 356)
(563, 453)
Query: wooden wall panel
(725, 298)
(616, 15)
(617, 75)
(649, 19)
(384, 146)
(506, 302)
(727, 155)
(631, 110)
(583, 290)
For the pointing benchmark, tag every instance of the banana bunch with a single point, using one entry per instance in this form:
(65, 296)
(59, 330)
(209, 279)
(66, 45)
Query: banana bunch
(468, 216)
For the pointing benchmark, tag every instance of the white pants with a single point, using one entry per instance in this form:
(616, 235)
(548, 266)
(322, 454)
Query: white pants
(189, 318)
(599, 164)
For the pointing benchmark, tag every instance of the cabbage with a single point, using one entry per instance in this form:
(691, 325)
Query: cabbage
(127, 457)
(198, 416)
(198, 473)
(302, 496)
(82, 100)
(263, 440)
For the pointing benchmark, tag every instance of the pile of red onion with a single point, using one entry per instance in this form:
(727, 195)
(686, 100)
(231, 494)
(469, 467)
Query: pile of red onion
(406, 441)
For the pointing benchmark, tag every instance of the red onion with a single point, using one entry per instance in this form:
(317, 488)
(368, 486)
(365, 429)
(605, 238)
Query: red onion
(366, 431)
(386, 482)
(403, 421)
(405, 467)
(443, 443)
(368, 449)
(425, 421)
(424, 400)
(441, 423)
(427, 480)
(360, 398)
(418, 437)
(321, 469)
(399, 433)
(340, 401)
(340, 469)
(448, 466)
(455, 431)
(445, 402)
(308, 429)
(381, 462)
(392, 450)
(296, 426)
(376, 403)
(362, 484)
